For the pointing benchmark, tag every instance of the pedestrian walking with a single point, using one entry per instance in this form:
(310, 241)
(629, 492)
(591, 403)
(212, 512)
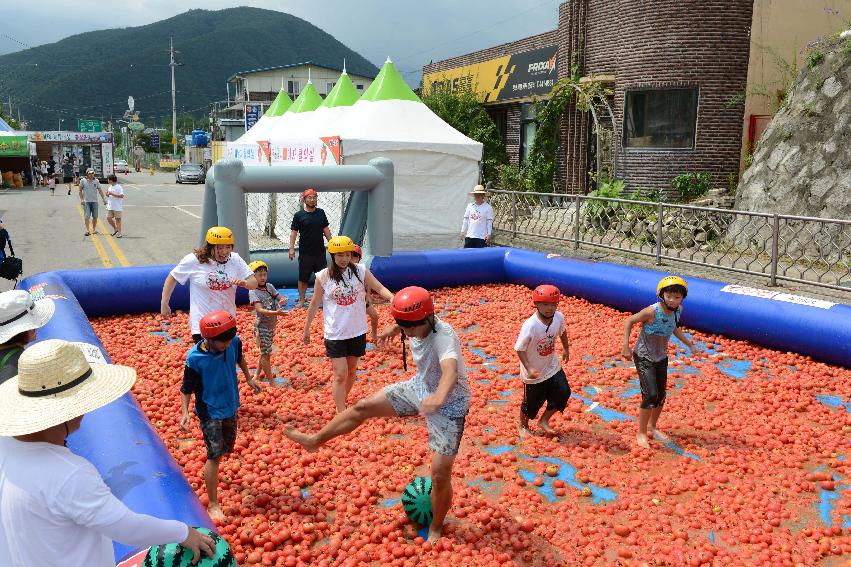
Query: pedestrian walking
(310, 225)
(114, 205)
(478, 220)
(89, 190)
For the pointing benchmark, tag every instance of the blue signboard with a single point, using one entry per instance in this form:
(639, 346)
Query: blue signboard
(252, 115)
(155, 140)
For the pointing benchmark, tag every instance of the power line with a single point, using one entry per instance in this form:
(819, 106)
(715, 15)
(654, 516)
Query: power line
(9, 37)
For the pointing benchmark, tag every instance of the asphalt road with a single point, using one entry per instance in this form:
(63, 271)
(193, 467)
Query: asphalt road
(161, 224)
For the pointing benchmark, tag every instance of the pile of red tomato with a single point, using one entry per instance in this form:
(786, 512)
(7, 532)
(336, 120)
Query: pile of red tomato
(759, 454)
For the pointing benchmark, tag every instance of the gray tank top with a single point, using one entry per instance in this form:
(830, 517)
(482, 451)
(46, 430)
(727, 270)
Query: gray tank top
(653, 339)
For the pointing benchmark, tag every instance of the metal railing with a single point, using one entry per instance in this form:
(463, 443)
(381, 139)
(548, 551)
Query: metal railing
(797, 249)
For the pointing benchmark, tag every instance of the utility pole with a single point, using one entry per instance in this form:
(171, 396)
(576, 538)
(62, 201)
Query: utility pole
(10, 106)
(172, 64)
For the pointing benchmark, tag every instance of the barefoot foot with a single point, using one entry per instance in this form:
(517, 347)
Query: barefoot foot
(656, 434)
(302, 439)
(546, 428)
(524, 432)
(215, 511)
(434, 534)
(641, 441)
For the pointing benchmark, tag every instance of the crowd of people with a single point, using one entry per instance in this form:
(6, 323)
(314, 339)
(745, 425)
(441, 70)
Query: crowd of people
(55, 507)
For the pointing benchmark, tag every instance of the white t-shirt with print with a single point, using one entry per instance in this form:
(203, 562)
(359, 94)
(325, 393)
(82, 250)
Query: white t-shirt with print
(344, 304)
(115, 203)
(540, 347)
(478, 220)
(427, 353)
(56, 510)
(210, 285)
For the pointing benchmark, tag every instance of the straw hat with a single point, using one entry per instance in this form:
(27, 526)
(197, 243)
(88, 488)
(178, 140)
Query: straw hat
(55, 384)
(19, 313)
(478, 190)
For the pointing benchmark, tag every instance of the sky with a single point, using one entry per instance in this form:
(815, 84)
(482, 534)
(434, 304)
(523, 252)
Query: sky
(411, 32)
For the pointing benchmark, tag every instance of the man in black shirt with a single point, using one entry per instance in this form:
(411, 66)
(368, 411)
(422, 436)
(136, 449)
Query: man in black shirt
(310, 225)
(4, 239)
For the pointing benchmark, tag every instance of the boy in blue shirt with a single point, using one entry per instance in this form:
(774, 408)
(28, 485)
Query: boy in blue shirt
(210, 374)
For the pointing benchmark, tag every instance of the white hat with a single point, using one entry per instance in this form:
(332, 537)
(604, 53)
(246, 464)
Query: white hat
(478, 190)
(55, 384)
(89, 170)
(19, 313)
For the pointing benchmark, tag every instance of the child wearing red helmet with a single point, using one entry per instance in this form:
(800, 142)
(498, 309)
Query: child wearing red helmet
(542, 375)
(210, 374)
(438, 391)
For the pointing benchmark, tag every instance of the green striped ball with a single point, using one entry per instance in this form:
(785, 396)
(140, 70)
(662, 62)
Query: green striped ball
(416, 500)
(175, 555)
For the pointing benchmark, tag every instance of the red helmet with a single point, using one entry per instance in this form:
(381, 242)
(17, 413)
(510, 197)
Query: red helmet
(412, 304)
(217, 323)
(546, 294)
(308, 192)
(358, 251)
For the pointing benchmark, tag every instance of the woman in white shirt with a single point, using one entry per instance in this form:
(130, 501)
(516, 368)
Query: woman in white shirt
(341, 290)
(213, 271)
(478, 220)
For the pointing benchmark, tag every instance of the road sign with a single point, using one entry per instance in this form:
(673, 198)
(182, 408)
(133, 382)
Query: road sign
(90, 125)
(155, 140)
(173, 141)
(252, 115)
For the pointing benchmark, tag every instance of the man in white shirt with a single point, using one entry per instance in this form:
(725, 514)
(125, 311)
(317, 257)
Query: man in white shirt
(114, 205)
(478, 220)
(55, 510)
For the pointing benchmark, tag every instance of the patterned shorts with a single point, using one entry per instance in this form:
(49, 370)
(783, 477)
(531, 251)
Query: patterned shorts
(219, 436)
(444, 433)
(264, 336)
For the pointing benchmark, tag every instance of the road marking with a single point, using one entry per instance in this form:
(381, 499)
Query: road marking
(187, 212)
(107, 263)
(122, 259)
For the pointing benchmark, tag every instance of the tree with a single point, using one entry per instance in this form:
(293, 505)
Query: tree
(462, 111)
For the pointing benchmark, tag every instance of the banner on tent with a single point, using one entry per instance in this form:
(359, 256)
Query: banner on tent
(311, 151)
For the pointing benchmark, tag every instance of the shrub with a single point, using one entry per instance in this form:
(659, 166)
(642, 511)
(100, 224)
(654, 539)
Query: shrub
(814, 58)
(691, 186)
(601, 213)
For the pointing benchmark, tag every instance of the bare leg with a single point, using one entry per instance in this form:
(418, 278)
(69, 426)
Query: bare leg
(88, 227)
(211, 480)
(111, 222)
(376, 405)
(351, 372)
(373, 321)
(643, 419)
(441, 493)
(339, 389)
(651, 427)
(523, 429)
(302, 291)
(94, 225)
(118, 225)
(544, 422)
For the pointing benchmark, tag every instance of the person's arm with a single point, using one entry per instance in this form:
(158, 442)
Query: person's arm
(488, 223)
(80, 191)
(682, 336)
(448, 378)
(258, 307)
(168, 288)
(293, 236)
(327, 232)
(102, 196)
(190, 378)
(243, 365)
(646, 315)
(373, 284)
(565, 353)
(318, 292)
(466, 223)
(248, 283)
(387, 335)
(531, 373)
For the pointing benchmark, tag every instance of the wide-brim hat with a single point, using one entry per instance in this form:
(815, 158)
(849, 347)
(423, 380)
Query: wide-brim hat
(55, 383)
(19, 313)
(479, 190)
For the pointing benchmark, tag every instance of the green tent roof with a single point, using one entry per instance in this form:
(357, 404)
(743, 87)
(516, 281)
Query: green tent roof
(389, 85)
(307, 101)
(280, 105)
(344, 93)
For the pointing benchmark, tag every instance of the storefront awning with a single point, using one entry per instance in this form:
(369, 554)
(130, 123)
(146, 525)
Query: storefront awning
(14, 146)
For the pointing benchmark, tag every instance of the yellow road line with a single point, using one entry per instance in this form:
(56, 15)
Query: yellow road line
(107, 263)
(122, 259)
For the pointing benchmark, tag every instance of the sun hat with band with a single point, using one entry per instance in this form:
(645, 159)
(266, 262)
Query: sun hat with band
(19, 313)
(479, 190)
(55, 383)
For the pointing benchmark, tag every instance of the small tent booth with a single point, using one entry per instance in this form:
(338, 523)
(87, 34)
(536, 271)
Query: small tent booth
(14, 156)
(435, 165)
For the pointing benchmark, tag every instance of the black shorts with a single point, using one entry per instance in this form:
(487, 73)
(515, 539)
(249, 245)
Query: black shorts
(554, 390)
(475, 242)
(653, 379)
(219, 436)
(67, 179)
(355, 346)
(310, 264)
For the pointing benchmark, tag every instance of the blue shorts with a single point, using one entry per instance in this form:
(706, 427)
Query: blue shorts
(90, 209)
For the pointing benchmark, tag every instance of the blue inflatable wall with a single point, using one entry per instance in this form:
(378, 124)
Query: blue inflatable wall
(138, 468)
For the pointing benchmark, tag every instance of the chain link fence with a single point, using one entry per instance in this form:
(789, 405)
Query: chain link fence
(270, 215)
(782, 247)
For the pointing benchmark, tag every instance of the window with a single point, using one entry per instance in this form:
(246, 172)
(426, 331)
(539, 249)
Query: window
(292, 88)
(359, 87)
(500, 120)
(660, 119)
(528, 127)
(329, 87)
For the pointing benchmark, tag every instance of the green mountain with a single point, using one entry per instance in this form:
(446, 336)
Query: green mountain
(90, 75)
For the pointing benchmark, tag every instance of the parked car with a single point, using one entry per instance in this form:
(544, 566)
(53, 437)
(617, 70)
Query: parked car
(190, 173)
(120, 166)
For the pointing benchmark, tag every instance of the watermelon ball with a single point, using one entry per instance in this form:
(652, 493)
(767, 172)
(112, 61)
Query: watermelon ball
(175, 555)
(416, 500)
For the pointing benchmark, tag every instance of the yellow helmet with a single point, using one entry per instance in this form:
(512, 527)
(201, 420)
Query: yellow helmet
(256, 264)
(219, 235)
(669, 281)
(339, 244)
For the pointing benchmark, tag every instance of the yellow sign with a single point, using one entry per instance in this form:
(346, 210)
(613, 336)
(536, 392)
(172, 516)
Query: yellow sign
(173, 140)
(519, 75)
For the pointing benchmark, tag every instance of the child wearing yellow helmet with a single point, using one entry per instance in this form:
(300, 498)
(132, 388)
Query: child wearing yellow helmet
(341, 289)
(268, 306)
(658, 322)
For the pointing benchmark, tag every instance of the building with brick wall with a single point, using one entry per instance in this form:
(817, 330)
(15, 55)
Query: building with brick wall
(677, 70)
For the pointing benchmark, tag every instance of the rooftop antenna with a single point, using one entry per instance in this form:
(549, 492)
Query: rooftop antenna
(308, 73)
(344, 65)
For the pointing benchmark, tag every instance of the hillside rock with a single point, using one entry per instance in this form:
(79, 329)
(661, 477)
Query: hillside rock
(802, 165)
